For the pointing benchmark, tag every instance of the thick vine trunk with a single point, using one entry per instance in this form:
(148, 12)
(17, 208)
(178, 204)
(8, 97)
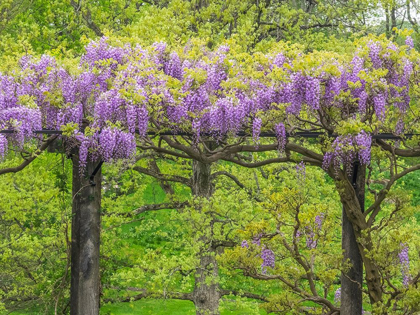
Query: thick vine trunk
(85, 240)
(354, 213)
(372, 276)
(206, 293)
(351, 281)
(202, 186)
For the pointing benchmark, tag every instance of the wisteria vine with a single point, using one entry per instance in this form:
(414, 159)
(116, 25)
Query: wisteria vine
(117, 94)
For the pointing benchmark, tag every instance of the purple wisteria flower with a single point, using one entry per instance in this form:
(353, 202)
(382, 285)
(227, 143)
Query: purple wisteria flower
(405, 264)
(280, 131)
(310, 233)
(337, 295)
(301, 171)
(3, 146)
(409, 42)
(126, 87)
(345, 150)
(269, 259)
(256, 130)
(257, 239)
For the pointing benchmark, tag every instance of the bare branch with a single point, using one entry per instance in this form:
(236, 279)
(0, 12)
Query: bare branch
(163, 177)
(29, 160)
(244, 294)
(146, 294)
(384, 192)
(400, 152)
(160, 206)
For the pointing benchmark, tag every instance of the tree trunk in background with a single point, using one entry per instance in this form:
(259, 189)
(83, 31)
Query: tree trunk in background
(393, 20)
(85, 240)
(206, 294)
(351, 282)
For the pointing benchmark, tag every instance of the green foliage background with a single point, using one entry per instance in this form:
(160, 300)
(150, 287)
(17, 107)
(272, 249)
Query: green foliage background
(145, 250)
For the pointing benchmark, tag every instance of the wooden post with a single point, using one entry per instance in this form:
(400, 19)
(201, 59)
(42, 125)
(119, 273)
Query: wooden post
(85, 239)
(351, 291)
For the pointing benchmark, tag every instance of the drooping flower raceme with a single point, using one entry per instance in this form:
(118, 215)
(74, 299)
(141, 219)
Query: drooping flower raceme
(256, 129)
(311, 241)
(301, 171)
(269, 259)
(3, 146)
(364, 143)
(405, 264)
(337, 295)
(409, 42)
(345, 150)
(280, 131)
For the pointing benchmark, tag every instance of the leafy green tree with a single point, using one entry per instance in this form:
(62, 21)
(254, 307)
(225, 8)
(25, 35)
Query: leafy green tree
(34, 241)
(62, 27)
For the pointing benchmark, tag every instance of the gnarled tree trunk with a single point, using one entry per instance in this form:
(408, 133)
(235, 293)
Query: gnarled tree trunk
(352, 280)
(351, 199)
(85, 240)
(206, 293)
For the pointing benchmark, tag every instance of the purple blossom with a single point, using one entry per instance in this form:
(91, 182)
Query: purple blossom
(405, 264)
(345, 150)
(409, 42)
(143, 120)
(364, 143)
(379, 103)
(374, 54)
(269, 259)
(332, 89)
(83, 154)
(363, 97)
(257, 240)
(399, 128)
(312, 92)
(280, 132)
(3, 146)
(116, 144)
(279, 60)
(301, 171)
(337, 295)
(318, 220)
(173, 66)
(244, 244)
(256, 130)
(357, 63)
(97, 51)
(298, 88)
(311, 242)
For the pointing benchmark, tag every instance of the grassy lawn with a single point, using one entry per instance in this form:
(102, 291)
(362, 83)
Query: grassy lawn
(165, 307)
(155, 307)
(152, 307)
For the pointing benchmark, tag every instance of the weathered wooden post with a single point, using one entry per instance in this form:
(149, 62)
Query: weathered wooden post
(85, 239)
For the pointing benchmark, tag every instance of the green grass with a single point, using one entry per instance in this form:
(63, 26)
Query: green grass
(152, 307)
(164, 307)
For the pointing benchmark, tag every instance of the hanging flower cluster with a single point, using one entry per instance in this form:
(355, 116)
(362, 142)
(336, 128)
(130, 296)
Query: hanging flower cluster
(267, 255)
(345, 149)
(405, 264)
